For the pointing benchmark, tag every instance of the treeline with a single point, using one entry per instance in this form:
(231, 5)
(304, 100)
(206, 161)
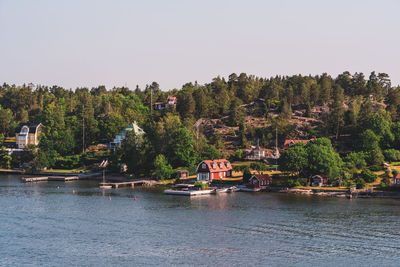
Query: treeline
(76, 119)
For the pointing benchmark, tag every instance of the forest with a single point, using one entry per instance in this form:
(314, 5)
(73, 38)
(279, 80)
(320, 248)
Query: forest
(358, 122)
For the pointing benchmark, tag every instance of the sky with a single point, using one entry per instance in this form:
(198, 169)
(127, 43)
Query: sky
(86, 43)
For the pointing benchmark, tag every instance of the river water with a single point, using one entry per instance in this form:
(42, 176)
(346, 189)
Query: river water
(45, 224)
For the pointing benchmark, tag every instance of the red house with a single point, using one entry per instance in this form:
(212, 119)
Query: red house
(217, 169)
(261, 181)
(171, 102)
(291, 142)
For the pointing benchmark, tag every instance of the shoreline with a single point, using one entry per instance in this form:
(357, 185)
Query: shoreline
(97, 176)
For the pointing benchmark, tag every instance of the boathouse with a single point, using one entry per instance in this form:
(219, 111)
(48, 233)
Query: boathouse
(182, 174)
(319, 180)
(260, 181)
(396, 179)
(209, 170)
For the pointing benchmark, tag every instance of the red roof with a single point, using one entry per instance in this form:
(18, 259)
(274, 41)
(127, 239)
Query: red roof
(262, 177)
(218, 165)
(397, 176)
(293, 141)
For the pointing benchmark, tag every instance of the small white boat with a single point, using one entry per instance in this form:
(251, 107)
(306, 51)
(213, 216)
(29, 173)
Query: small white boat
(246, 189)
(222, 190)
(189, 192)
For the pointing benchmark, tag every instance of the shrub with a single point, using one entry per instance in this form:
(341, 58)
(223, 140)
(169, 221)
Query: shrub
(395, 172)
(303, 181)
(259, 166)
(375, 168)
(201, 185)
(246, 175)
(391, 155)
(360, 183)
(239, 168)
(293, 183)
(368, 176)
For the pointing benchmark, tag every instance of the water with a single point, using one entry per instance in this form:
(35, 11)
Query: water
(44, 224)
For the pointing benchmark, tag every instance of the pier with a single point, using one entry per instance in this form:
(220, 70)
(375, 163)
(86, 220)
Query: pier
(130, 183)
(49, 178)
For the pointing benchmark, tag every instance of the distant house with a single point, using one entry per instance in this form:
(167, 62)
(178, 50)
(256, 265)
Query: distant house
(319, 180)
(28, 134)
(122, 135)
(259, 181)
(171, 102)
(209, 170)
(396, 179)
(255, 153)
(182, 174)
(291, 142)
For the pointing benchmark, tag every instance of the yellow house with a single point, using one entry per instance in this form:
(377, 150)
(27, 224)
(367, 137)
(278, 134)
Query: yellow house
(28, 134)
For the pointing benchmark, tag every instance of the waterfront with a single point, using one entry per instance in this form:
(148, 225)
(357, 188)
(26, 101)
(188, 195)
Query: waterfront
(45, 224)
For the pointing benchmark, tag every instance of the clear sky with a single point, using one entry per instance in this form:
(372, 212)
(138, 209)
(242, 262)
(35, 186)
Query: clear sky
(76, 43)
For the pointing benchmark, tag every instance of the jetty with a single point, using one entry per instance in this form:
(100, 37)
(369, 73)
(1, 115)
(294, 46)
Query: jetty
(49, 178)
(129, 184)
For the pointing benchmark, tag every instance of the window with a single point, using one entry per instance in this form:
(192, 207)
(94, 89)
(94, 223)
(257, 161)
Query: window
(221, 175)
(203, 165)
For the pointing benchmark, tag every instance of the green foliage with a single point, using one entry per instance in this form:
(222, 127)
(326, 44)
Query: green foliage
(246, 175)
(360, 183)
(163, 170)
(395, 172)
(391, 155)
(5, 158)
(323, 159)
(368, 176)
(259, 166)
(356, 160)
(294, 159)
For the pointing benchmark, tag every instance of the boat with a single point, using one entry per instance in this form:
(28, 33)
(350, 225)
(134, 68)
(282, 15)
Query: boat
(189, 192)
(246, 189)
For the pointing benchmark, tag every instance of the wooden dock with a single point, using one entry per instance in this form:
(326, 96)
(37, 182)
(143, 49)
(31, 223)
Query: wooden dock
(130, 183)
(49, 178)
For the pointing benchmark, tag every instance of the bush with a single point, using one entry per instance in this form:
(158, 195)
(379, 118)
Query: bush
(67, 162)
(259, 166)
(391, 155)
(293, 183)
(201, 185)
(368, 176)
(395, 172)
(303, 181)
(375, 168)
(239, 168)
(246, 175)
(360, 183)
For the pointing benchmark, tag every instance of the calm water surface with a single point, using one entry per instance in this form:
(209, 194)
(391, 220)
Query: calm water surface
(44, 224)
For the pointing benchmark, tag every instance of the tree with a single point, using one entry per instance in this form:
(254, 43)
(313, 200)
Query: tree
(182, 149)
(5, 120)
(5, 158)
(162, 169)
(322, 159)
(368, 141)
(294, 159)
(337, 110)
(246, 175)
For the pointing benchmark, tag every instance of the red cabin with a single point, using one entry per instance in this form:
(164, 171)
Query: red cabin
(261, 181)
(209, 170)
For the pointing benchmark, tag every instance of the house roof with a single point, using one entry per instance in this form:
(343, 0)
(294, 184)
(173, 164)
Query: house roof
(31, 125)
(218, 165)
(262, 177)
(397, 176)
(294, 141)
